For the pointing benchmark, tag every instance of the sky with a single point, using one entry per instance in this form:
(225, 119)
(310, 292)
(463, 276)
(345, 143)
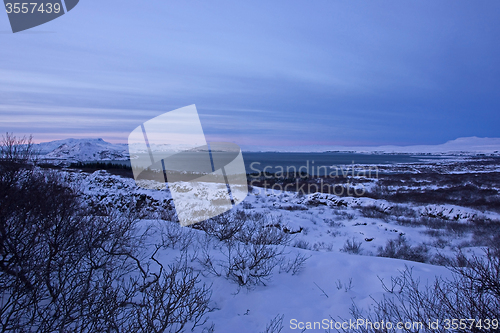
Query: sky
(261, 73)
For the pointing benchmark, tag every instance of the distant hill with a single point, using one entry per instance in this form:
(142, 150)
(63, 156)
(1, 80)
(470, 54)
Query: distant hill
(83, 150)
(461, 146)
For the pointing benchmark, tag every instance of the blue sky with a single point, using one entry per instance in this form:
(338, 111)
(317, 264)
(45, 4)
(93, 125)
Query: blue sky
(277, 73)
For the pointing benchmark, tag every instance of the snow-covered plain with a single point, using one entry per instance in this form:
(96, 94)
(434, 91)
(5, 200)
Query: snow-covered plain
(330, 280)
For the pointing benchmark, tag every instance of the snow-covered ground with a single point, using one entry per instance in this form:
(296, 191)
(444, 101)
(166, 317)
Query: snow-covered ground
(320, 226)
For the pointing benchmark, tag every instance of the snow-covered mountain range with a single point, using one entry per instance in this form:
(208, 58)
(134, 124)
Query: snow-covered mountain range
(458, 146)
(461, 146)
(100, 150)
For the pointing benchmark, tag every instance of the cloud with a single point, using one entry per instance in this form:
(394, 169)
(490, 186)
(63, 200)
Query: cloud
(326, 71)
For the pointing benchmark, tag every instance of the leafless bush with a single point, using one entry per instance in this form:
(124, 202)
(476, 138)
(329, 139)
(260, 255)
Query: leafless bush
(56, 258)
(471, 294)
(403, 211)
(347, 286)
(66, 268)
(294, 265)
(252, 245)
(334, 224)
(224, 227)
(263, 230)
(341, 215)
(258, 249)
(16, 152)
(433, 223)
(318, 246)
(170, 301)
(435, 233)
(400, 248)
(301, 244)
(173, 235)
(251, 264)
(486, 233)
(292, 207)
(441, 243)
(374, 212)
(352, 246)
(276, 325)
(207, 259)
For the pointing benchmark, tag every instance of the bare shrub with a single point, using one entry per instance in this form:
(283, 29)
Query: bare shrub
(301, 244)
(169, 302)
(334, 224)
(400, 248)
(471, 294)
(17, 152)
(318, 246)
(263, 231)
(294, 265)
(435, 233)
(59, 262)
(347, 286)
(66, 268)
(293, 207)
(352, 246)
(457, 228)
(251, 264)
(374, 212)
(486, 232)
(258, 249)
(173, 235)
(403, 211)
(341, 215)
(224, 227)
(252, 245)
(276, 325)
(441, 243)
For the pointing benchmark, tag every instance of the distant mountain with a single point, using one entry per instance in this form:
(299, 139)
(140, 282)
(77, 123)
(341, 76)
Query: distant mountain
(458, 146)
(461, 146)
(83, 150)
